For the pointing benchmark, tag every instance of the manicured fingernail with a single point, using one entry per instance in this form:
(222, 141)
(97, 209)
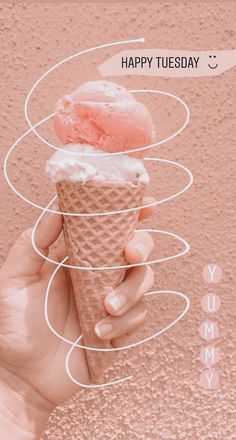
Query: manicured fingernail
(117, 302)
(103, 329)
(141, 249)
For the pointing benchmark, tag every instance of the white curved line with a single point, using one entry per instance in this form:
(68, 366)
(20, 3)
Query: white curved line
(125, 266)
(76, 214)
(33, 128)
(73, 344)
(102, 385)
(135, 344)
(5, 164)
(77, 54)
(55, 66)
(117, 153)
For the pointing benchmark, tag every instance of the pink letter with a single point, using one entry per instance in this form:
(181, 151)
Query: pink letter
(210, 303)
(209, 356)
(209, 379)
(212, 273)
(209, 330)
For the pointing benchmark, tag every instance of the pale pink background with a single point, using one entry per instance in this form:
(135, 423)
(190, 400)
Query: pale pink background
(223, 61)
(164, 400)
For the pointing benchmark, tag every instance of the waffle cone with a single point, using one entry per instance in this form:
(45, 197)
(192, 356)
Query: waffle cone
(97, 241)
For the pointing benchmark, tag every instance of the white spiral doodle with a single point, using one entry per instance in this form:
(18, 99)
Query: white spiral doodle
(76, 344)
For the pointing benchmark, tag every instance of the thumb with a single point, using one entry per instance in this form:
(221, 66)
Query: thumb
(22, 259)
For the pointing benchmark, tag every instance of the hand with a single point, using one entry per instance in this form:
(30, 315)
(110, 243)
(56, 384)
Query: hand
(32, 358)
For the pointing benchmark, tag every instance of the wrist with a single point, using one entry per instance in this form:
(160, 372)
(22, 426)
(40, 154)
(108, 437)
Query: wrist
(23, 411)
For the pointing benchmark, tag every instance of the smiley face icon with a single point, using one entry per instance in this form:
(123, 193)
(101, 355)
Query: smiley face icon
(209, 65)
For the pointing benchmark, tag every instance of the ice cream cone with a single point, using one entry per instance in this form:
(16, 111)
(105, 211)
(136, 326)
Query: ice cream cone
(97, 241)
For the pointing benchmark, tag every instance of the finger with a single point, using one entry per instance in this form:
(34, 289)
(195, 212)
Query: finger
(149, 211)
(115, 326)
(22, 259)
(58, 254)
(139, 247)
(123, 340)
(48, 229)
(138, 281)
(60, 251)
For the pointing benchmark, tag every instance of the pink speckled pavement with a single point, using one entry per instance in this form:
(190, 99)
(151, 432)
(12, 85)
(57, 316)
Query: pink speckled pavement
(164, 400)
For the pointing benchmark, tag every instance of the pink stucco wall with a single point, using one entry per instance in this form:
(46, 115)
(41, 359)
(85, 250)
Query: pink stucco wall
(164, 400)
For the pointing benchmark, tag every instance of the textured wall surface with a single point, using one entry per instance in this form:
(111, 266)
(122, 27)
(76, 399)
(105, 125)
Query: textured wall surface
(163, 400)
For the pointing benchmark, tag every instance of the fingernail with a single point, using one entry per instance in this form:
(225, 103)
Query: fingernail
(117, 302)
(103, 329)
(141, 249)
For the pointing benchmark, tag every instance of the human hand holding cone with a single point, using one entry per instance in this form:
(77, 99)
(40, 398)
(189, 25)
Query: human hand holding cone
(92, 185)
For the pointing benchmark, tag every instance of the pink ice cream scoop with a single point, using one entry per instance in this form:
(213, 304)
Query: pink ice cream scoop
(105, 115)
